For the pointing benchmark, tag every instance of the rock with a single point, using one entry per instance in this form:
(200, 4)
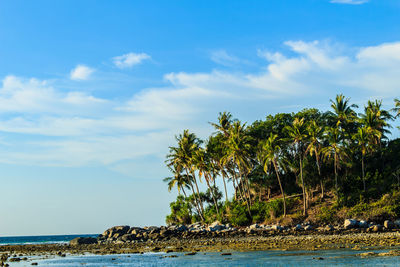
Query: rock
(362, 224)
(83, 241)
(14, 259)
(329, 227)
(350, 223)
(276, 227)
(298, 227)
(216, 226)
(388, 224)
(123, 229)
(254, 226)
(181, 228)
(376, 228)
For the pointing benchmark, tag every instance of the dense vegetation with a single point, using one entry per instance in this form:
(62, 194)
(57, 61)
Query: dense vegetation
(276, 166)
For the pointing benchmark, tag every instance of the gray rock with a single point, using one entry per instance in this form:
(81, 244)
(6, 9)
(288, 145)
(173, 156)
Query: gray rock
(397, 223)
(276, 227)
(216, 226)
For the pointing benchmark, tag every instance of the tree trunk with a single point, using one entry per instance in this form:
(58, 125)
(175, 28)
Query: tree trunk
(322, 189)
(198, 193)
(226, 192)
(212, 194)
(336, 176)
(363, 171)
(195, 198)
(280, 185)
(302, 185)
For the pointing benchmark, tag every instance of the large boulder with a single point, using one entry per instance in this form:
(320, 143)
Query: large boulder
(83, 241)
(121, 230)
(350, 223)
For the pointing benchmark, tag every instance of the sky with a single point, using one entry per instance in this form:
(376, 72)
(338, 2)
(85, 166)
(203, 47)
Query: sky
(92, 93)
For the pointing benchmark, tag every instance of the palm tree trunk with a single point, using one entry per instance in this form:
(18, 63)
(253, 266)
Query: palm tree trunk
(322, 189)
(302, 185)
(212, 194)
(280, 185)
(320, 177)
(226, 192)
(184, 193)
(196, 202)
(198, 193)
(363, 171)
(336, 176)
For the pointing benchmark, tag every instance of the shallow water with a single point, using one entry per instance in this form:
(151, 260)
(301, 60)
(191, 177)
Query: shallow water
(255, 258)
(42, 239)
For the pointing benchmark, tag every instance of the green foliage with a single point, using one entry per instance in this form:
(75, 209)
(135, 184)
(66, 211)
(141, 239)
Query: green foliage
(180, 211)
(238, 215)
(327, 214)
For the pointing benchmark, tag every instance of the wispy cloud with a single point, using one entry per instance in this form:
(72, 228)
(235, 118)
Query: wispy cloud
(129, 60)
(223, 58)
(350, 2)
(81, 72)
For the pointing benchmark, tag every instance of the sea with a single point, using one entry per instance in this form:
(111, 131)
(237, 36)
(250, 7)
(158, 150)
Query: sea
(342, 257)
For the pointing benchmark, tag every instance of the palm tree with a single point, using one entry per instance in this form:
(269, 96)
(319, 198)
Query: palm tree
(376, 119)
(334, 149)
(224, 123)
(237, 152)
(180, 157)
(269, 154)
(181, 181)
(216, 151)
(298, 137)
(342, 110)
(314, 147)
(205, 167)
(397, 107)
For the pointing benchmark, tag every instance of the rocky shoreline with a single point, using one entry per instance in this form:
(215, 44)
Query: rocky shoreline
(217, 237)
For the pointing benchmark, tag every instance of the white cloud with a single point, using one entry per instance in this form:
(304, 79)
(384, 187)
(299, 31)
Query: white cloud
(129, 60)
(76, 128)
(81, 72)
(350, 2)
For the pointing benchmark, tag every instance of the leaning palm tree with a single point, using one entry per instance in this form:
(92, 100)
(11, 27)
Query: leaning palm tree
(298, 137)
(314, 147)
(268, 155)
(181, 181)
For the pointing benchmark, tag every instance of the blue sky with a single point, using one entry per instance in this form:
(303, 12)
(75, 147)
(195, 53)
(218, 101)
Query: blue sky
(93, 92)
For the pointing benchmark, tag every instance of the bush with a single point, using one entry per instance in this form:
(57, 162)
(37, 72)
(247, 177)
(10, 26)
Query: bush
(238, 215)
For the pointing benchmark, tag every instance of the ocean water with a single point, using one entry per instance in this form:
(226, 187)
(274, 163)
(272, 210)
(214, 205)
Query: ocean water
(257, 258)
(45, 239)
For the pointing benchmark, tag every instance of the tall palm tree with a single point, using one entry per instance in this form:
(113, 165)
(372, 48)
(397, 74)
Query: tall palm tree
(181, 157)
(216, 150)
(334, 150)
(314, 147)
(237, 152)
(205, 167)
(269, 154)
(376, 119)
(298, 137)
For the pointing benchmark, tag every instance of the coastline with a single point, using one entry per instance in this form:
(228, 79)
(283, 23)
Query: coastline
(247, 242)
